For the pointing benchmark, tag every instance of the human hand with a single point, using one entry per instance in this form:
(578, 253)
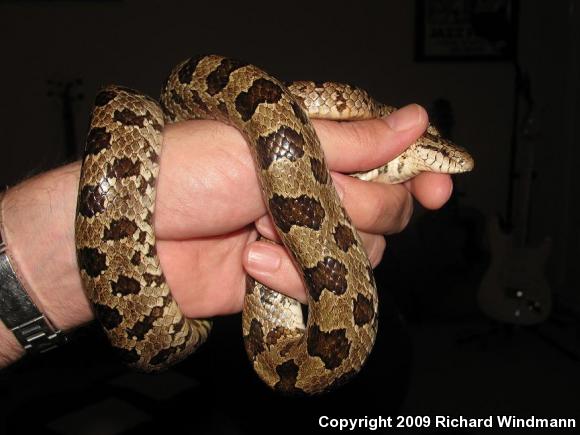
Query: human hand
(209, 199)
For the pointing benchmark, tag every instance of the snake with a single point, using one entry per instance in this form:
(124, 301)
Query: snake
(115, 239)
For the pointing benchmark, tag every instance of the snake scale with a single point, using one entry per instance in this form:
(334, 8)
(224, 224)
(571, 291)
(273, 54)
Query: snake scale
(116, 242)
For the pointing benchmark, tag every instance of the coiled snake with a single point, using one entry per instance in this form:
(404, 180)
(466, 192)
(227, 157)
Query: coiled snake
(116, 242)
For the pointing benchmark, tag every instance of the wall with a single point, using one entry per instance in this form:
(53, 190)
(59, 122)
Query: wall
(135, 43)
(371, 44)
(549, 48)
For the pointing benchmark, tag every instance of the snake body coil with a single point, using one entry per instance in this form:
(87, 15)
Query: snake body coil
(116, 242)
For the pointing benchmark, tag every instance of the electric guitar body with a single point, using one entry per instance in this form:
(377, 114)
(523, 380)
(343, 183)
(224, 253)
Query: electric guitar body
(515, 289)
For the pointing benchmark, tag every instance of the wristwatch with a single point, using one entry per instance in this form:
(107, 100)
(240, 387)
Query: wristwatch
(17, 311)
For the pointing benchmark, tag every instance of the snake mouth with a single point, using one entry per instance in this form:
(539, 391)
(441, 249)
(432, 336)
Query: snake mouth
(461, 163)
(466, 163)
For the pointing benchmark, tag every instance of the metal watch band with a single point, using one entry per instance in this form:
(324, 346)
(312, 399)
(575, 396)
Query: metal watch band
(17, 311)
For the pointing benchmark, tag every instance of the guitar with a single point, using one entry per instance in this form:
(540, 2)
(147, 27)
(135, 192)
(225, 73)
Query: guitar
(515, 289)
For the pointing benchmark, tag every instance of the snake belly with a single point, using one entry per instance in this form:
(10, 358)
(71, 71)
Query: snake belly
(116, 242)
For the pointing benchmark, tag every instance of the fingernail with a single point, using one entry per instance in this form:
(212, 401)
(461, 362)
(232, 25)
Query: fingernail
(263, 258)
(404, 118)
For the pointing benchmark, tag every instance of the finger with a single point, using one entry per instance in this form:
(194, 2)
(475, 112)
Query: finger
(363, 145)
(375, 207)
(430, 189)
(271, 264)
(266, 228)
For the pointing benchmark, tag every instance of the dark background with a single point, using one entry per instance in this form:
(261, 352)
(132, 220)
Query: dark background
(437, 352)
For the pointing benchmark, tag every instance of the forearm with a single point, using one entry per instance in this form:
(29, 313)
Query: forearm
(38, 226)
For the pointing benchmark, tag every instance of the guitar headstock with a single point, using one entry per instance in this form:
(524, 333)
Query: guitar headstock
(66, 90)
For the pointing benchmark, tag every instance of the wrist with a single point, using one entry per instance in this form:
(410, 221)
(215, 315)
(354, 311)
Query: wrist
(38, 227)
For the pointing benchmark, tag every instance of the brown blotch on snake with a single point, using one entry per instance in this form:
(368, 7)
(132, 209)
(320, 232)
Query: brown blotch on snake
(250, 284)
(152, 252)
(219, 77)
(93, 201)
(104, 97)
(329, 274)
(178, 99)
(261, 91)
(186, 71)
(288, 374)
(318, 170)
(144, 184)
(284, 143)
(180, 324)
(142, 327)
(109, 317)
(156, 125)
(151, 279)
(126, 286)
(299, 112)
(370, 274)
(97, 140)
(303, 211)
(255, 339)
(92, 261)
(331, 347)
(362, 310)
(344, 237)
(168, 113)
(123, 168)
(136, 259)
(149, 218)
(341, 104)
(129, 118)
(142, 237)
(196, 99)
(119, 229)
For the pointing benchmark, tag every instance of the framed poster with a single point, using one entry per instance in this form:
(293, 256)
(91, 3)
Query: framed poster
(465, 30)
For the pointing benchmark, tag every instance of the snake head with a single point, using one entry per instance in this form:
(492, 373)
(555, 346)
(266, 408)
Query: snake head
(460, 161)
(440, 155)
